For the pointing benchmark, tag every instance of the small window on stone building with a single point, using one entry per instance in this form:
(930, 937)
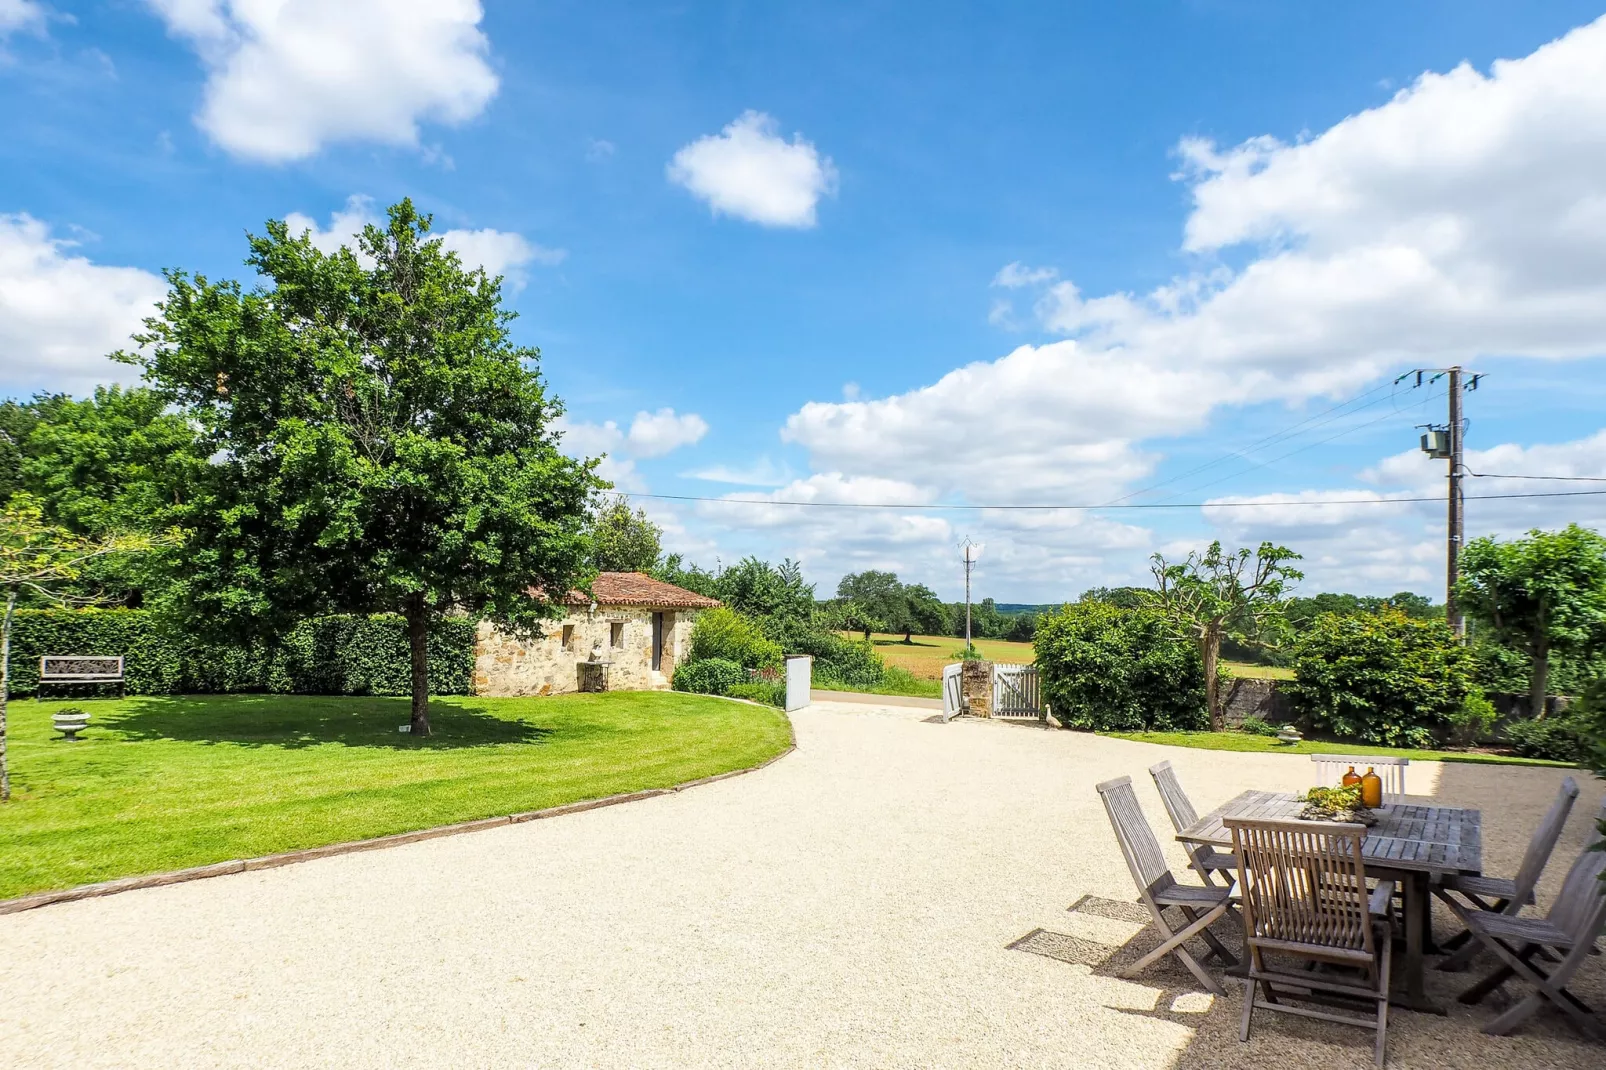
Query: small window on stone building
(616, 634)
(568, 637)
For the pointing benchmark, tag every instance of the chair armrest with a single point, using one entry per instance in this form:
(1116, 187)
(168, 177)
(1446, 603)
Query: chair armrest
(1381, 898)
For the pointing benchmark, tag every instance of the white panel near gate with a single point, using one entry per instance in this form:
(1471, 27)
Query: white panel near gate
(799, 679)
(952, 702)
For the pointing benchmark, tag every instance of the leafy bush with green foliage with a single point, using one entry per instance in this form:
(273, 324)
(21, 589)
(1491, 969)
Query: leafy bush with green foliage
(1108, 668)
(1578, 735)
(1257, 727)
(1474, 721)
(725, 633)
(849, 662)
(1559, 739)
(767, 692)
(711, 676)
(340, 655)
(1382, 678)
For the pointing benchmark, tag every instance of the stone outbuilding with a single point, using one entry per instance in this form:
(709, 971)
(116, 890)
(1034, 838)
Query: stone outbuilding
(627, 635)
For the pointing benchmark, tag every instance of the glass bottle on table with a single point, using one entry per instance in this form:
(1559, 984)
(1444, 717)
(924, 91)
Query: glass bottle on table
(1351, 778)
(1371, 789)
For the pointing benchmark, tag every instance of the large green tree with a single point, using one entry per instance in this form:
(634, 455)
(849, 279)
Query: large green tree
(1542, 595)
(376, 442)
(623, 541)
(1218, 593)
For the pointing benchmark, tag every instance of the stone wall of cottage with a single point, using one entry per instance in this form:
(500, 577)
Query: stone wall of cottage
(504, 665)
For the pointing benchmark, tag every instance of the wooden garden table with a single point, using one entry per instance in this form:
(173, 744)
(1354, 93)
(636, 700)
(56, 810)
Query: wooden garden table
(1412, 843)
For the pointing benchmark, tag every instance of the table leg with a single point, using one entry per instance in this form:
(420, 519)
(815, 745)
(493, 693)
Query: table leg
(1415, 995)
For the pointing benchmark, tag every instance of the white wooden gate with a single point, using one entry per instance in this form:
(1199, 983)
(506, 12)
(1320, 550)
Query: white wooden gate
(1017, 693)
(952, 702)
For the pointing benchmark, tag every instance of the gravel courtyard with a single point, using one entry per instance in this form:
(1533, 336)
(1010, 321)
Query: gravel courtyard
(896, 893)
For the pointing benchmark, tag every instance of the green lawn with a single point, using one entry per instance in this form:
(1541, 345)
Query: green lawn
(1243, 741)
(164, 783)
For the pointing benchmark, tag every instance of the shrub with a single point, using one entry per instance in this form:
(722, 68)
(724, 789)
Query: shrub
(1381, 678)
(342, 655)
(771, 694)
(1254, 726)
(1559, 739)
(850, 662)
(1474, 721)
(1108, 668)
(726, 634)
(711, 676)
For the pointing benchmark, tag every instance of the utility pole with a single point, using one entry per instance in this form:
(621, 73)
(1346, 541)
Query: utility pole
(972, 552)
(1448, 443)
(1454, 516)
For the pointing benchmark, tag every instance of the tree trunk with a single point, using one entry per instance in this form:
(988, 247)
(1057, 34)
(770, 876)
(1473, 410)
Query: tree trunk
(1539, 679)
(909, 636)
(418, 643)
(1210, 648)
(5, 691)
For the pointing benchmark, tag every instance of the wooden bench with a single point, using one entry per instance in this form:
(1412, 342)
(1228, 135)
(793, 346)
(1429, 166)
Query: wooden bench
(65, 669)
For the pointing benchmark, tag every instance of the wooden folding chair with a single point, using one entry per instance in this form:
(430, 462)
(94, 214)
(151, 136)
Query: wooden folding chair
(1202, 858)
(1303, 894)
(1201, 907)
(1569, 929)
(1503, 895)
(1330, 769)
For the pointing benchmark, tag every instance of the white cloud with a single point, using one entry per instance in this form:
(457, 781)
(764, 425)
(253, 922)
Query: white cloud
(499, 252)
(761, 473)
(286, 77)
(751, 172)
(61, 313)
(653, 434)
(20, 15)
(1464, 217)
(1015, 275)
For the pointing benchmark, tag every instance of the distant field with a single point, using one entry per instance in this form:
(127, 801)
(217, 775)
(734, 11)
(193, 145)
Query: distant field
(926, 656)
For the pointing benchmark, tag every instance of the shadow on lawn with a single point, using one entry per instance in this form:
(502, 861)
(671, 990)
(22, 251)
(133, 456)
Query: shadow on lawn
(294, 721)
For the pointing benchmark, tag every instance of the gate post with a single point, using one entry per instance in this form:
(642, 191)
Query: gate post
(799, 678)
(976, 686)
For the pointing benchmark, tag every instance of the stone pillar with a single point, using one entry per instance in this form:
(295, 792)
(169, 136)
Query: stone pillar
(976, 687)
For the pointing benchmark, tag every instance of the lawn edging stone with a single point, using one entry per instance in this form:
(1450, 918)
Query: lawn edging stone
(309, 854)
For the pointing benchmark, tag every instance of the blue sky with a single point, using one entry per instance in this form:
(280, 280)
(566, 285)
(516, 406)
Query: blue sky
(923, 253)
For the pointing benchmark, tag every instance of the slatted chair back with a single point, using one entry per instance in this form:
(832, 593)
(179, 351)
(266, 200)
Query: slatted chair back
(1303, 888)
(1177, 804)
(1544, 840)
(1330, 769)
(1580, 908)
(1141, 850)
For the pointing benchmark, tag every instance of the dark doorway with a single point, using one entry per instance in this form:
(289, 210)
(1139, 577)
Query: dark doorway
(657, 642)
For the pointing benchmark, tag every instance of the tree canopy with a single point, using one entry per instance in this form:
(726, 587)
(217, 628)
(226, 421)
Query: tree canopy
(375, 441)
(1543, 595)
(623, 541)
(1218, 593)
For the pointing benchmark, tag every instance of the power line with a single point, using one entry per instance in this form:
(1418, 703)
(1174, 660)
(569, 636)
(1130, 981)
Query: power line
(1568, 479)
(906, 506)
(1287, 432)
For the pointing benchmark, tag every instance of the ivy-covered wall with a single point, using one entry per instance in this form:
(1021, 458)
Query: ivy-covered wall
(345, 655)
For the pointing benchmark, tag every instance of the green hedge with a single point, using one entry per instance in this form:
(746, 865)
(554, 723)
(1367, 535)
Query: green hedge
(1105, 668)
(345, 655)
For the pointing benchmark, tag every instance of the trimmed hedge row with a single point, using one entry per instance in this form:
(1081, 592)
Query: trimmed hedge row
(344, 655)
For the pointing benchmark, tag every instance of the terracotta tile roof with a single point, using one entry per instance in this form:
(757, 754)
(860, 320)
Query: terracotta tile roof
(640, 589)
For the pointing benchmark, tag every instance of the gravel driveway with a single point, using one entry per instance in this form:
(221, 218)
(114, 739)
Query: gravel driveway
(896, 893)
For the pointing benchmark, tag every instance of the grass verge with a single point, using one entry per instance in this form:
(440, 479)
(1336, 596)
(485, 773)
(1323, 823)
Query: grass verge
(1243, 741)
(165, 783)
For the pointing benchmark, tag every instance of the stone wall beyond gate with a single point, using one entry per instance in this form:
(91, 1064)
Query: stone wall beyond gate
(504, 665)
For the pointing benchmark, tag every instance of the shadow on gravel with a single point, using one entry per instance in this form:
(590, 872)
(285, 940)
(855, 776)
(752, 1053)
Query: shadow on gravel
(294, 721)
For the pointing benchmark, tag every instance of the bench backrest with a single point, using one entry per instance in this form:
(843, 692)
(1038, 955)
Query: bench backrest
(67, 667)
(1330, 769)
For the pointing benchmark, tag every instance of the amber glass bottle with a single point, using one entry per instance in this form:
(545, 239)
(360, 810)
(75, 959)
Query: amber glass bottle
(1351, 778)
(1371, 790)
